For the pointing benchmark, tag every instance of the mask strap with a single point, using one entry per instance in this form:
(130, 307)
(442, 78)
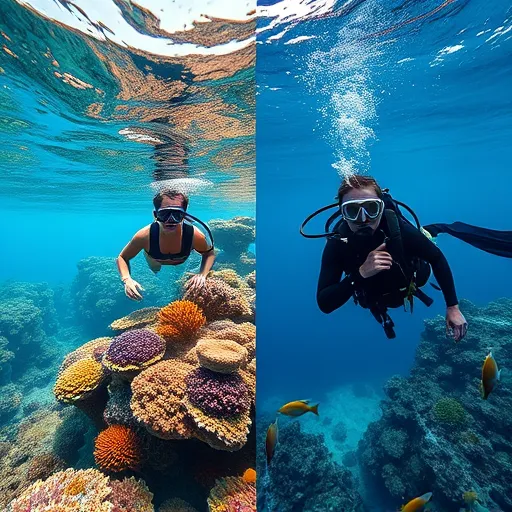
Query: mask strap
(202, 224)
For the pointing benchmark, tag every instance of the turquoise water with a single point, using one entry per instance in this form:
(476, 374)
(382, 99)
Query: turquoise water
(99, 109)
(415, 94)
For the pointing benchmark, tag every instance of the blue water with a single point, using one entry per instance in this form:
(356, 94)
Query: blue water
(419, 101)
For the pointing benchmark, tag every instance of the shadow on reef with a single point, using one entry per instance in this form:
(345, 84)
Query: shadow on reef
(436, 432)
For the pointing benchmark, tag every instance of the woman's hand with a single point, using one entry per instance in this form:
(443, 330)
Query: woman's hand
(196, 282)
(131, 289)
(377, 261)
(456, 325)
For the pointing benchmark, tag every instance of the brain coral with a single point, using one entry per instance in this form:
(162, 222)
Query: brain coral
(137, 319)
(86, 351)
(180, 320)
(131, 495)
(219, 395)
(218, 300)
(232, 492)
(117, 448)
(78, 380)
(157, 395)
(223, 356)
(79, 490)
(134, 350)
(449, 410)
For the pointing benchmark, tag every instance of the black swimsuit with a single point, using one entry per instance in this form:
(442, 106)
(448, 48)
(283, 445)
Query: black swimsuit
(187, 240)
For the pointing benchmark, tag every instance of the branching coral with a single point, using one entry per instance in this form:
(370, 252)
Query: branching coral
(180, 320)
(82, 490)
(78, 380)
(118, 448)
(218, 300)
(136, 320)
(131, 495)
(223, 356)
(134, 350)
(219, 395)
(231, 491)
(156, 402)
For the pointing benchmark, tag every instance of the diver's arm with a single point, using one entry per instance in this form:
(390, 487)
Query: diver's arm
(132, 248)
(207, 252)
(331, 292)
(418, 244)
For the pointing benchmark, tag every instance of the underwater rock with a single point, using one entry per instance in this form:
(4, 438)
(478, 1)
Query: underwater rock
(339, 432)
(436, 432)
(303, 475)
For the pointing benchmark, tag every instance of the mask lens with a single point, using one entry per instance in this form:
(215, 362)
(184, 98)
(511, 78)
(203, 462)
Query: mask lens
(372, 208)
(351, 211)
(170, 215)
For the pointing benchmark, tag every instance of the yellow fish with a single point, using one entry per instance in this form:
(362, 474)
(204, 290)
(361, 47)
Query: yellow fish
(417, 503)
(271, 441)
(490, 376)
(298, 408)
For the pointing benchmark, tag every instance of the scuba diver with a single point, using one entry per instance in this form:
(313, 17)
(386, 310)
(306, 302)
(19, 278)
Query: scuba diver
(169, 240)
(387, 259)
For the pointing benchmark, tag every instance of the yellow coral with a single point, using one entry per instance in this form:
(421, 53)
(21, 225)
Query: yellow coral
(180, 320)
(93, 349)
(470, 497)
(223, 356)
(78, 380)
(137, 319)
(157, 395)
(232, 490)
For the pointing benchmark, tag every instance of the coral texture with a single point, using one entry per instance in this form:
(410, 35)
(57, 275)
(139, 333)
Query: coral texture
(180, 320)
(117, 448)
(131, 495)
(223, 356)
(136, 320)
(93, 349)
(134, 350)
(176, 505)
(79, 380)
(232, 492)
(157, 399)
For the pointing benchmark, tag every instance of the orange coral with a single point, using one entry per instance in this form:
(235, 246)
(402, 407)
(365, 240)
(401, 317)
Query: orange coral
(117, 448)
(180, 319)
(249, 476)
(78, 380)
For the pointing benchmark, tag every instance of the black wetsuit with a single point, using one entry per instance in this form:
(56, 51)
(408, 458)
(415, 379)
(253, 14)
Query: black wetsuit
(340, 257)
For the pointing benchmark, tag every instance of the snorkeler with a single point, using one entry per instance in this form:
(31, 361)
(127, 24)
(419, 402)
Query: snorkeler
(386, 258)
(167, 241)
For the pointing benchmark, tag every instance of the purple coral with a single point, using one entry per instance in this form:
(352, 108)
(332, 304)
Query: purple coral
(221, 395)
(135, 347)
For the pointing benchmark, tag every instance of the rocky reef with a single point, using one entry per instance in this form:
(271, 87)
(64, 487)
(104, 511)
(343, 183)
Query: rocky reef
(436, 432)
(302, 474)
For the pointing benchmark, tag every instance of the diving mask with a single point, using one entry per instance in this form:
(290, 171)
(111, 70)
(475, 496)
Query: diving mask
(171, 214)
(361, 209)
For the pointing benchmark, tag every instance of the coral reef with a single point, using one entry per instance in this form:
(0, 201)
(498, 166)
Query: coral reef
(180, 320)
(231, 494)
(134, 350)
(302, 475)
(118, 448)
(436, 432)
(136, 320)
(131, 495)
(223, 356)
(219, 301)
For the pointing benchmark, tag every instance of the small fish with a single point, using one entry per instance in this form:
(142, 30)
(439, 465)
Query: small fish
(417, 503)
(298, 408)
(490, 376)
(271, 441)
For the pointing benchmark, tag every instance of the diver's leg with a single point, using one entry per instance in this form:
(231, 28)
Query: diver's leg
(153, 265)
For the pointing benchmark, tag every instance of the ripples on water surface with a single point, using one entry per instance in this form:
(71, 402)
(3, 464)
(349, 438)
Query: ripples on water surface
(98, 95)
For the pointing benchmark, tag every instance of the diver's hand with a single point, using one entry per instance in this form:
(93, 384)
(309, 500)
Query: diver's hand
(377, 261)
(196, 282)
(456, 325)
(131, 289)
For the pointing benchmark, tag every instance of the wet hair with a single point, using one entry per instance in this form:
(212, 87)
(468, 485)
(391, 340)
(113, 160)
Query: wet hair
(358, 181)
(171, 194)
